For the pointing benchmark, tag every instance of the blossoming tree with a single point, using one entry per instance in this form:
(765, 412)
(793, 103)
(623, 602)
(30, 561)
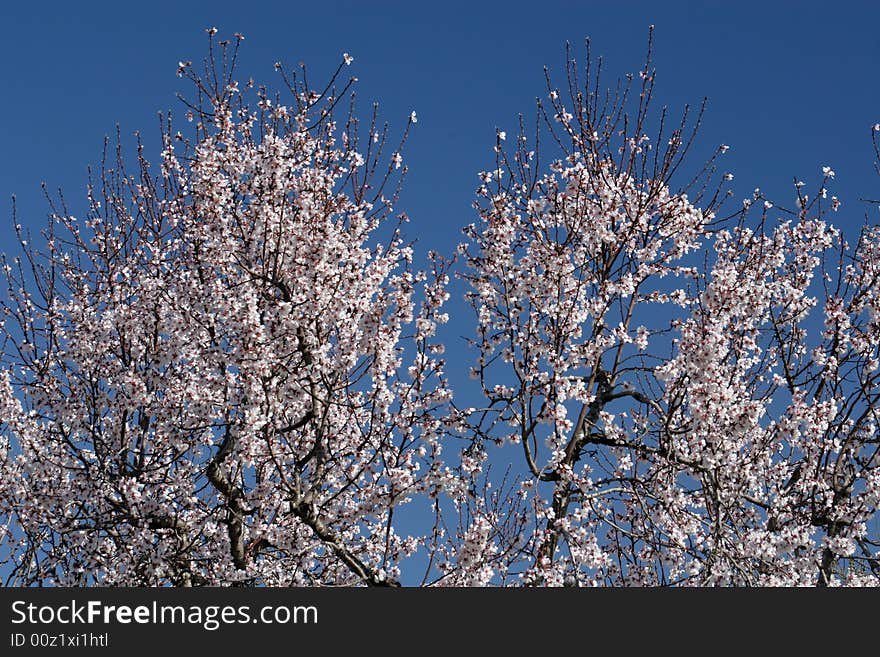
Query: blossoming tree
(230, 373)
(206, 380)
(694, 397)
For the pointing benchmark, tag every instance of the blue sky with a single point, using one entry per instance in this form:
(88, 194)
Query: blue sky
(792, 86)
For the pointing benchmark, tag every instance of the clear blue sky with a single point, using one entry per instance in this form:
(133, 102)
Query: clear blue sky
(792, 86)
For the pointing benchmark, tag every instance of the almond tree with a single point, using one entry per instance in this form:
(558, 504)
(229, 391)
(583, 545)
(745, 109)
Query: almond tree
(220, 376)
(229, 372)
(693, 397)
